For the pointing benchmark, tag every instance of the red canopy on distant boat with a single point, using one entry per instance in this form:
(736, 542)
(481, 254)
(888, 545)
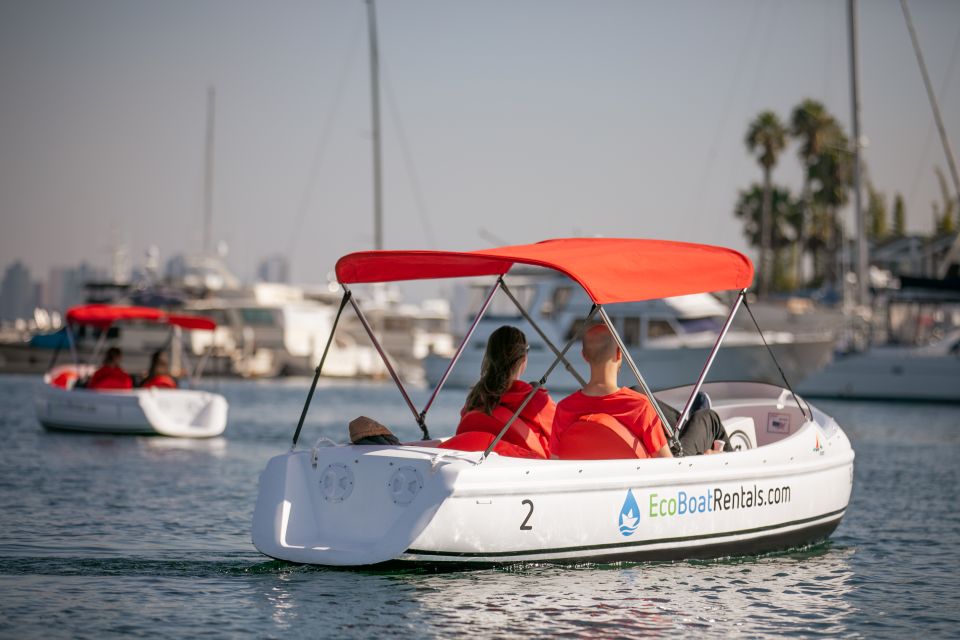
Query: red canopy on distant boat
(192, 322)
(609, 269)
(104, 315)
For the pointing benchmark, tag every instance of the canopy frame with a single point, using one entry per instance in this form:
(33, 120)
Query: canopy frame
(672, 431)
(316, 374)
(174, 322)
(685, 414)
(421, 416)
(500, 284)
(543, 336)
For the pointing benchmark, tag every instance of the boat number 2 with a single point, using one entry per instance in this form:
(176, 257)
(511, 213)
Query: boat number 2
(523, 525)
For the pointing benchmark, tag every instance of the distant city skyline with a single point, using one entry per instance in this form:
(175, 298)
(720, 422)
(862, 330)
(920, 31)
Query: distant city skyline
(502, 121)
(22, 289)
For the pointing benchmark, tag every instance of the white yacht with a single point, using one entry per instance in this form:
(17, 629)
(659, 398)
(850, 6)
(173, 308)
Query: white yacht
(670, 336)
(930, 373)
(271, 329)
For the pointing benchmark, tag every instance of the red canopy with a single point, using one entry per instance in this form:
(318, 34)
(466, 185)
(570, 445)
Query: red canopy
(192, 322)
(104, 315)
(609, 269)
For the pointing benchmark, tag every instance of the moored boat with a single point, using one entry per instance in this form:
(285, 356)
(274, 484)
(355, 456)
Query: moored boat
(62, 403)
(788, 482)
(669, 337)
(930, 373)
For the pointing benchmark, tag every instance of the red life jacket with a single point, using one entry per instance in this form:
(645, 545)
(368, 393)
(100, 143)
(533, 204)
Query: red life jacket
(520, 434)
(598, 436)
(626, 407)
(164, 381)
(530, 431)
(479, 441)
(107, 377)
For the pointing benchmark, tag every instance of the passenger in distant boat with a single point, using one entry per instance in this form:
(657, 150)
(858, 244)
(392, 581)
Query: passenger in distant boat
(110, 375)
(159, 373)
(602, 401)
(497, 396)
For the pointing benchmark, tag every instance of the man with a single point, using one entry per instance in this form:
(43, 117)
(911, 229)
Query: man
(111, 375)
(602, 395)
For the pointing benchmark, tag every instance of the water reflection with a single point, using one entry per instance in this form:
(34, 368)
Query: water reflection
(803, 593)
(215, 447)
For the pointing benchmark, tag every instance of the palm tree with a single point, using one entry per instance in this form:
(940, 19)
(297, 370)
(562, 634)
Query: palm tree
(811, 124)
(831, 177)
(785, 221)
(899, 216)
(766, 138)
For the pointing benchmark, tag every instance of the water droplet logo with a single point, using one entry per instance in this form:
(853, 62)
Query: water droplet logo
(629, 515)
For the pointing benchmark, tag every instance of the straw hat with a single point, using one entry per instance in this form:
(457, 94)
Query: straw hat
(364, 427)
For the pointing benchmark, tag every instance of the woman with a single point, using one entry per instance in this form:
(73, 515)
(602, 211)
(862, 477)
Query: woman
(497, 396)
(159, 374)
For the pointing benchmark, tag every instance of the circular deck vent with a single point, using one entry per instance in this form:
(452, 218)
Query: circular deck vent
(404, 485)
(336, 482)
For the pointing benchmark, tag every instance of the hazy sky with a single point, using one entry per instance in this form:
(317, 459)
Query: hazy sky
(517, 119)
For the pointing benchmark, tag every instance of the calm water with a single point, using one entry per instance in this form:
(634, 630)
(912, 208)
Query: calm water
(132, 536)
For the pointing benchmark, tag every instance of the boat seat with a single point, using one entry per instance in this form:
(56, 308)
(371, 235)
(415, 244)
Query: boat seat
(520, 434)
(741, 431)
(599, 436)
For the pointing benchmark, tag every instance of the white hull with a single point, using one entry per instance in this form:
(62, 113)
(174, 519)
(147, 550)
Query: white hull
(663, 368)
(179, 413)
(355, 505)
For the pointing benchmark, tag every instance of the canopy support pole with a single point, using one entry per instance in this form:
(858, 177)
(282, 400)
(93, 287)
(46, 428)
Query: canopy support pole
(71, 340)
(56, 352)
(808, 413)
(316, 375)
(542, 381)
(201, 363)
(685, 414)
(393, 374)
(672, 435)
(543, 336)
(101, 342)
(463, 345)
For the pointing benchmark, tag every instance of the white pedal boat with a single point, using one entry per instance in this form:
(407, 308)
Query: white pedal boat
(183, 413)
(788, 485)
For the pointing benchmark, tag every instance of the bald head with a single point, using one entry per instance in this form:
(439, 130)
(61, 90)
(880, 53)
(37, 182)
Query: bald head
(598, 345)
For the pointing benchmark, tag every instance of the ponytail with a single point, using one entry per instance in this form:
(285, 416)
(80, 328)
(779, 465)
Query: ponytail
(506, 348)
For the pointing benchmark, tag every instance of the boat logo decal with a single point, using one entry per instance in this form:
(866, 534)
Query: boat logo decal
(817, 447)
(629, 515)
(684, 503)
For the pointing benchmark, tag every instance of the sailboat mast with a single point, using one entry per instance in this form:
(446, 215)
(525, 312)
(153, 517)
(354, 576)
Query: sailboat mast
(375, 116)
(208, 172)
(944, 140)
(861, 227)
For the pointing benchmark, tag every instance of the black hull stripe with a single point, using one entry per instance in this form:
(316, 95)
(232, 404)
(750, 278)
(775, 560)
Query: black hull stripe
(643, 543)
(59, 426)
